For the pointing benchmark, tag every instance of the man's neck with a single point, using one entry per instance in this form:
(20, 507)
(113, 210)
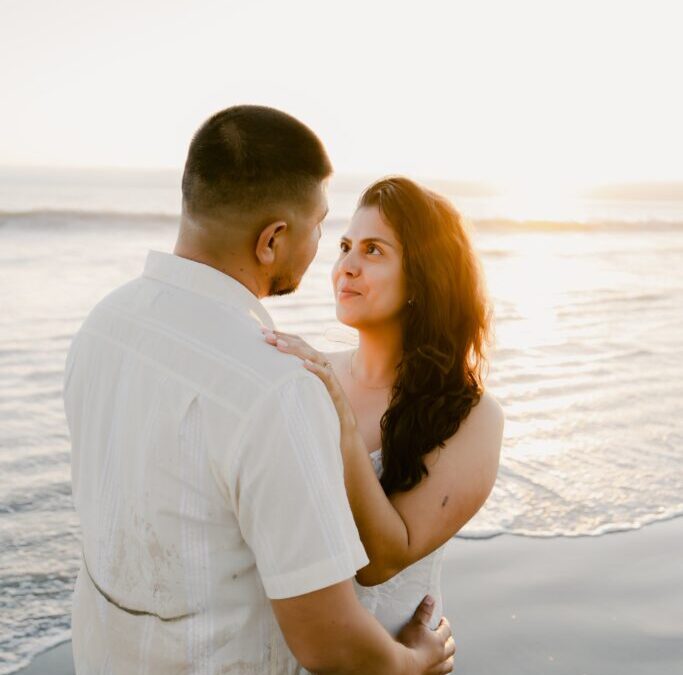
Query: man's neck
(234, 268)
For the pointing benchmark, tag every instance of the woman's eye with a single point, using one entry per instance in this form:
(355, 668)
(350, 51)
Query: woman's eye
(374, 250)
(344, 247)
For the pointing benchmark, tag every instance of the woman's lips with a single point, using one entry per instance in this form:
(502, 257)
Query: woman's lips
(346, 294)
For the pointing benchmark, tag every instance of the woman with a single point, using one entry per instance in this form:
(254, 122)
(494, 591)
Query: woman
(410, 398)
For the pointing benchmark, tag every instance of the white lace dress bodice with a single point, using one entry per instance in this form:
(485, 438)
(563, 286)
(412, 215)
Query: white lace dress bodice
(394, 602)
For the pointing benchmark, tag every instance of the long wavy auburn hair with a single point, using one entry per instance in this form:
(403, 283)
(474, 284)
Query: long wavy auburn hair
(446, 328)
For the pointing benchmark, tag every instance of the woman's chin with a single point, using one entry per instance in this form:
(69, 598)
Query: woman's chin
(347, 318)
(358, 320)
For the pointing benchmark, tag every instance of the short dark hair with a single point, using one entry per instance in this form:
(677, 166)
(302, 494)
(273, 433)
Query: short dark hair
(252, 158)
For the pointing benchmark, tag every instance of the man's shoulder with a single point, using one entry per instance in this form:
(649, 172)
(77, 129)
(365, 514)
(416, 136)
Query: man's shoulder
(119, 297)
(286, 378)
(93, 319)
(211, 346)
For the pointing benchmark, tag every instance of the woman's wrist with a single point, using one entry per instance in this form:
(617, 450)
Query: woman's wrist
(347, 419)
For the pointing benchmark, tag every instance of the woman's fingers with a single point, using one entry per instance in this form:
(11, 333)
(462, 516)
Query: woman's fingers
(293, 344)
(300, 349)
(321, 369)
(316, 363)
(313, 360)
(324, 372)
(278, 333)
(273, 337)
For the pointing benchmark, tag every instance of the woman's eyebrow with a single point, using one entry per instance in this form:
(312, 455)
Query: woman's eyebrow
(370, 239)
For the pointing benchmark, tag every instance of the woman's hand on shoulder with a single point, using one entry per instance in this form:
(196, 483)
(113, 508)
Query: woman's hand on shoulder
(319, 364)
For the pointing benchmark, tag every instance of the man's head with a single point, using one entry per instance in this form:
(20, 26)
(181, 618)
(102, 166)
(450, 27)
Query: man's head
(254, 196)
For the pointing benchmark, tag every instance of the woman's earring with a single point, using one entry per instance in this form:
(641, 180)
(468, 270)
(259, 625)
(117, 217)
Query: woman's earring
(411, 302)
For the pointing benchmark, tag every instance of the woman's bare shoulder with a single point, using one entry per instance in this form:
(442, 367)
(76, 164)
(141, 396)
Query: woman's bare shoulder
(488, 410)
(481, 432)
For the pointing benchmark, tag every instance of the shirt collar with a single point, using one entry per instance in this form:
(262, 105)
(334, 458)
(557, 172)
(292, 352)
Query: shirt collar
(205, 280)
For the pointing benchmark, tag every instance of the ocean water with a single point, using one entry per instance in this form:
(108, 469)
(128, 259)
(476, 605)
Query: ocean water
(587, 363)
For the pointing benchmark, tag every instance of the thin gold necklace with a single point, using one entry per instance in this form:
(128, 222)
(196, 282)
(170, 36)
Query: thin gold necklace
(353, 377)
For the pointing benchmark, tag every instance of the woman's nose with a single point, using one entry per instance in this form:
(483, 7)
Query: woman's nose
(349, 265)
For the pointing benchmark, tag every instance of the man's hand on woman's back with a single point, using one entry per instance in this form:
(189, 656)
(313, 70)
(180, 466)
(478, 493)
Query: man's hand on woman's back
(435, 649)
(330, 632)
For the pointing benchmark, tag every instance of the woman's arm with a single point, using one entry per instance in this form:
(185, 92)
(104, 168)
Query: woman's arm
(405, 527)
(400, 530)
(382, 529)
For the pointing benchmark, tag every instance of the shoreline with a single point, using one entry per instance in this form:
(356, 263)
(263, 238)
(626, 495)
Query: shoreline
(607, 605)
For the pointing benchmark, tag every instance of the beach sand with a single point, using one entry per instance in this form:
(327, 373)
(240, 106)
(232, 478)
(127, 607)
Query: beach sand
(610, 605)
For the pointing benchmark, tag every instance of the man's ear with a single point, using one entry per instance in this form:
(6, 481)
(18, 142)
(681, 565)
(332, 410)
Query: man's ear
(268, 240)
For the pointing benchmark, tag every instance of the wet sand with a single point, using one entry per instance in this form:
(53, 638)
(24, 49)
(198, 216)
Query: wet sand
(607, 605)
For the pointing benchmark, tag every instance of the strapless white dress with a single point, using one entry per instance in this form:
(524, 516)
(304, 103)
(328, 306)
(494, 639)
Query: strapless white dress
(394, 602)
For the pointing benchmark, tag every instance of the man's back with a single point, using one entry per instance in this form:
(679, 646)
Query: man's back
(206, 475)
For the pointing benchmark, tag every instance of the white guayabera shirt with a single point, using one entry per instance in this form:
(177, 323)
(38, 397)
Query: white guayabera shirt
(207, 477)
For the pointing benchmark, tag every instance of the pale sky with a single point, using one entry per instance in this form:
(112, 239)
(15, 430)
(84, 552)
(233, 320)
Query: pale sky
(539, 94)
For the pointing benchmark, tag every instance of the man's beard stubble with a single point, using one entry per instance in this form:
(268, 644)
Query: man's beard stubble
(280, 285)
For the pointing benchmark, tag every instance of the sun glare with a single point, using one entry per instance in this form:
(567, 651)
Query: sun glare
(541, 198)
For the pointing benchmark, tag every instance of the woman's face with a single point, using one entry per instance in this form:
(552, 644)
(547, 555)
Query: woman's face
(368, 278)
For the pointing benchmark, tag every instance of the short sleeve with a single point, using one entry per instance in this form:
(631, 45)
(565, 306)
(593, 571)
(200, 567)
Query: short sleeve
(288, 488)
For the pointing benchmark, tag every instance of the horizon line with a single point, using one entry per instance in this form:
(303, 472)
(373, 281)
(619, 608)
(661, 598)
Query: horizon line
(639, 188)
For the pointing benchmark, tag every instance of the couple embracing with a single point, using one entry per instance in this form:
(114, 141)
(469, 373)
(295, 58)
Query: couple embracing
(247, 504)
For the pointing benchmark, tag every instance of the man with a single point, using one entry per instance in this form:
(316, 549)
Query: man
(217, 536)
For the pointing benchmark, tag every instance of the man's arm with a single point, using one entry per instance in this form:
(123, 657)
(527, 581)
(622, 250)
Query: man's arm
(286, 480)
(330, 632)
